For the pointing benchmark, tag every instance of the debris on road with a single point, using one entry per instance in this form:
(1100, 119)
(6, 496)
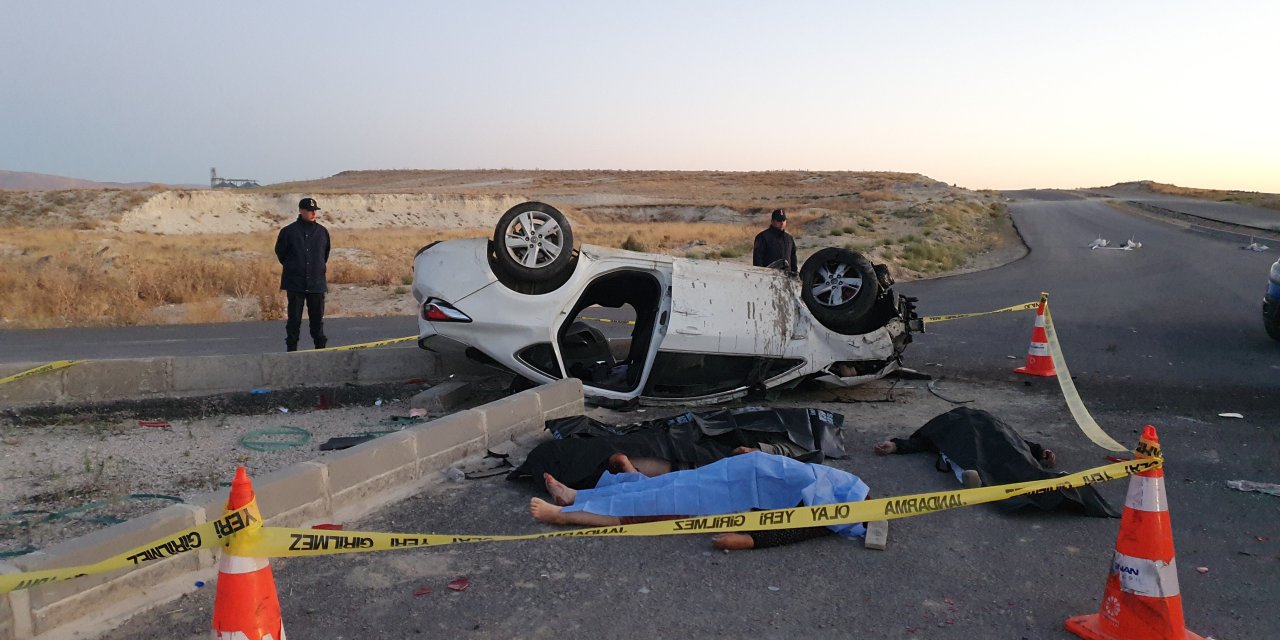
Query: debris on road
(154, 424)
(1261, 487)
(459, 584)
(264, 439)
(261, 391)
(1230, 415)
(424, 590)
(345, 442)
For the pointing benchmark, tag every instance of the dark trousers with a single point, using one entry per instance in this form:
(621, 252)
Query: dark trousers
(315, 316)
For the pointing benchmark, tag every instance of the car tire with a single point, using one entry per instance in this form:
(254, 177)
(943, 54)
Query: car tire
(839, 287)
(1273, 327)
(532, 247)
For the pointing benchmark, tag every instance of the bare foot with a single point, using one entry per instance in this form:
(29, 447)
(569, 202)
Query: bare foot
(620, 463)
(733, 541)
(544, 511)
(885, 448)
(563, 495)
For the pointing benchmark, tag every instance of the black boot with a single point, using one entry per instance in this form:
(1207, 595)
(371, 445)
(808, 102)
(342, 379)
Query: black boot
(290, 346)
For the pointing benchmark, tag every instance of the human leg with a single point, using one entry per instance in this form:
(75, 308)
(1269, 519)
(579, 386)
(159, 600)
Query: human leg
(315, 318)
(293, 323)
(548, 513)
(621, 463)
(563, 495)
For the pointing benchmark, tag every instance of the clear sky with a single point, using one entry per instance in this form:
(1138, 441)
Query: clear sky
(1012, 94)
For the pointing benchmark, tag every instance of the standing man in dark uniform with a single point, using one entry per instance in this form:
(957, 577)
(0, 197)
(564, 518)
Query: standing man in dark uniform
(303, 250)
(774, 244)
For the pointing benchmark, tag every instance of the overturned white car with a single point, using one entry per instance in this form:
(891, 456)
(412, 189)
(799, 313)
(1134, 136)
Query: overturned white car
(700, 331)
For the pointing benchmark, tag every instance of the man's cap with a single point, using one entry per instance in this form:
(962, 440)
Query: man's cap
(779, 215)
(309, 204)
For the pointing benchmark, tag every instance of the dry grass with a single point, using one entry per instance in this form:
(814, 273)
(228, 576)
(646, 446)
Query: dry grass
(670, 238)
(1255, 198)
(64, 278)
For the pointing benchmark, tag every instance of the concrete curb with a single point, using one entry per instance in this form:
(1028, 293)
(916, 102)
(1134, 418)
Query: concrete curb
(336, 487)
(103, 381)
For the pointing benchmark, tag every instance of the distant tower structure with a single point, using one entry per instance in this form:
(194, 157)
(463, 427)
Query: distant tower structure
(229, 183)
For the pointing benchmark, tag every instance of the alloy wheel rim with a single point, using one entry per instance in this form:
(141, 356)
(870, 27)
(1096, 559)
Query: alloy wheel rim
(534, 239)
(833, 286)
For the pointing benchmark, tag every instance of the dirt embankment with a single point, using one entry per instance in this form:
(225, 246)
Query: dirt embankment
(220, 212)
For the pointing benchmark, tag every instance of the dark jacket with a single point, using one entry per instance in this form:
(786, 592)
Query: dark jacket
(774, 244)
(303, 250)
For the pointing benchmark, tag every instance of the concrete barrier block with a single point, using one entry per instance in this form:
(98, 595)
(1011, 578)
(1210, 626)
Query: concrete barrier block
(308, 368)
(40, 388)
(117, 379)
(447, 440)
(361, 473)
(293, 495)
(511, 416)
(395, 364)
(15, 611)
(217, 373)
(443, 397)
(60, 603)
(561, 399)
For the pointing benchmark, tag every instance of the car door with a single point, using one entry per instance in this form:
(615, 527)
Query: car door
(722, 308)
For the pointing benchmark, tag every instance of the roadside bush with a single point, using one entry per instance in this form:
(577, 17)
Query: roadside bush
(631, 244)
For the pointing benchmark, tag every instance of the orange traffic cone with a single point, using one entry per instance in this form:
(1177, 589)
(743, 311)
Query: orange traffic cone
(246, 606)
(1039, 361)
(1141, 600)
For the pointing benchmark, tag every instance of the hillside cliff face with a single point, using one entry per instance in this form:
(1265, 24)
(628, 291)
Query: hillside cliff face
(199, 212)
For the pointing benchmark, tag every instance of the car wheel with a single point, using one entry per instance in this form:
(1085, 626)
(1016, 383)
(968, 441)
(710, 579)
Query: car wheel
(839, 287)
(1273, 327)
(532, 243)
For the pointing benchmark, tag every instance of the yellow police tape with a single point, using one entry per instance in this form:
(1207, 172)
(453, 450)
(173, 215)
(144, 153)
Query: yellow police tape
(63, 364)
(1029, 306)
(35, 371)
(1075, 403)
(370, 345)
(606, 320)
(243, 528)
(208, 535)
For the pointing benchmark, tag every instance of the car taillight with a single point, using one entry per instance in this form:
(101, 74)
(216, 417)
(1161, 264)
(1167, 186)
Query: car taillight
(437, 310)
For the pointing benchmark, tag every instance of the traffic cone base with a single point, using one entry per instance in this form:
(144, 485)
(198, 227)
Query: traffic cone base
(1141, 599)
(1039, 360)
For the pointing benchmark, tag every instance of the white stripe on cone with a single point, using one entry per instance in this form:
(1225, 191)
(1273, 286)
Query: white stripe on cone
(240, 564)
(1146, 494)
(239, 635)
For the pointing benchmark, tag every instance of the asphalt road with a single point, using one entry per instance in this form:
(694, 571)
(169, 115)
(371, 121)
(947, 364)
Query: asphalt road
(1176, 319)
(97, 343)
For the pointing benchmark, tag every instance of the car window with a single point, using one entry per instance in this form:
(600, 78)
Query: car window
(541, 357)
